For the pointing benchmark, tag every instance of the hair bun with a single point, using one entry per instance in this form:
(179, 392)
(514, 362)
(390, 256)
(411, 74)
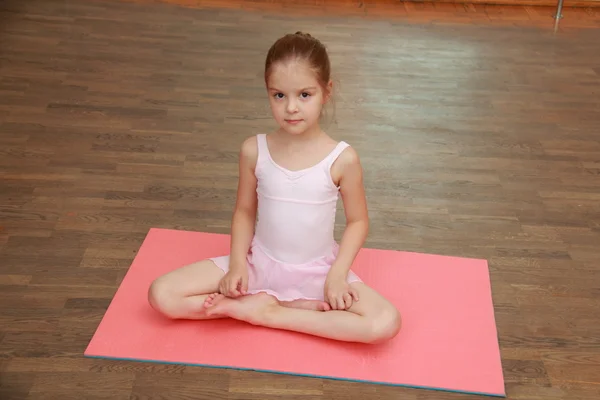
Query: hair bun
(300, 33)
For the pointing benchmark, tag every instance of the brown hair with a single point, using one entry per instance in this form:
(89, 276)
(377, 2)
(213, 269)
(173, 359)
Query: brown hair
(300, 46)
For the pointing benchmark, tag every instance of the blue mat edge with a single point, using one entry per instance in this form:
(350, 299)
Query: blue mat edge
(295, 374)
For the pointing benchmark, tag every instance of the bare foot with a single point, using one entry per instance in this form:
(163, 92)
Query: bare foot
(314, 305)
(253, 308)
(209, 304)
(212, 299)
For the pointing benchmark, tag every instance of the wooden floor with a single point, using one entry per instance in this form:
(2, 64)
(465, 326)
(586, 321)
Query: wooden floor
(477, 141)
(576, 14)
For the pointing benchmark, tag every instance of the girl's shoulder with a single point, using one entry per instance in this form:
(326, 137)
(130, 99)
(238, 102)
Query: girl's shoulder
(348, 162)
(249, 151)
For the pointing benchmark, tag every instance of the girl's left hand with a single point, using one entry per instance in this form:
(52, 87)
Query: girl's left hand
(339, 294)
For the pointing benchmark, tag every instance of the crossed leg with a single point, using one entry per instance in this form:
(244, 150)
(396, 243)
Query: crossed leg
(190, 293)
(370, 320)
(182, 293)
(187, 292)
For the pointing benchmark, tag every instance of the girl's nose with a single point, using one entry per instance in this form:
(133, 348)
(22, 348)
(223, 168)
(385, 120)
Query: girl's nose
(292, 106)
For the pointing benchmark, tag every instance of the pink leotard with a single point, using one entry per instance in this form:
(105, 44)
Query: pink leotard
(293, 247)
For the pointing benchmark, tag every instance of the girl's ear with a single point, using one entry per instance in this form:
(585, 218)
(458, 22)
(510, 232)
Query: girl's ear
(328, 91)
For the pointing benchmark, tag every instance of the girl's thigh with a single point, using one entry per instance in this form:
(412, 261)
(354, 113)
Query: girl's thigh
(201, 277)
(377, 309)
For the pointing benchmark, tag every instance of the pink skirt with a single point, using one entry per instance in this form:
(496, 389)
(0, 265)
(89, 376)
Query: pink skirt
(283, 280)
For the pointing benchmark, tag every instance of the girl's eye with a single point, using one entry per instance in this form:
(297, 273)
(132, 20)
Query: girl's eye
(278, 95)
(305, 95)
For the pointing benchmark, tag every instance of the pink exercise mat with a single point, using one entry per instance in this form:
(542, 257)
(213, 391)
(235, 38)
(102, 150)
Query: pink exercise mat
(448, 340)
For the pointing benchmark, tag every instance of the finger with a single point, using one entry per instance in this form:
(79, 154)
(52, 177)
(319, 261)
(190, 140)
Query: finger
(340, 303)
(347, 300)
(231, 289)
(354, 294)
(334, 305)
(227, 286)
(244, 285)
(238, 286)
(332, 301)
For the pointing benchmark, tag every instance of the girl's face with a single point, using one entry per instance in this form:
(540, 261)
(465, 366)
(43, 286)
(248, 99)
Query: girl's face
(295, 96)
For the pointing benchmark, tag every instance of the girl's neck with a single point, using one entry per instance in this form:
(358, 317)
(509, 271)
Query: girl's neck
(310, 134)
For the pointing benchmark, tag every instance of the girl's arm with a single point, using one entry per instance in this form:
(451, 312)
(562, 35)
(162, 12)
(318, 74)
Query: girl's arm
(244, 215)
(355, 205)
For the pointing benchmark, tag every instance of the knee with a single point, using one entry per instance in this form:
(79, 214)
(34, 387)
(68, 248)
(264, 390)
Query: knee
(385, 325)
(162, 298)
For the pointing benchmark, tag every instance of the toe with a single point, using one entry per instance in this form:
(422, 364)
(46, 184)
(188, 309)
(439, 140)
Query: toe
(210, 300)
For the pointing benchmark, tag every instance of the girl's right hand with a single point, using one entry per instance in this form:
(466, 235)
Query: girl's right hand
(234, 283)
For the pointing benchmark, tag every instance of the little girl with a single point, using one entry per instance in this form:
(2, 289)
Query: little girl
(285, 270)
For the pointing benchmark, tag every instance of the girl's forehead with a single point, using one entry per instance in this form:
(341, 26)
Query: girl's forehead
(292, 75)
